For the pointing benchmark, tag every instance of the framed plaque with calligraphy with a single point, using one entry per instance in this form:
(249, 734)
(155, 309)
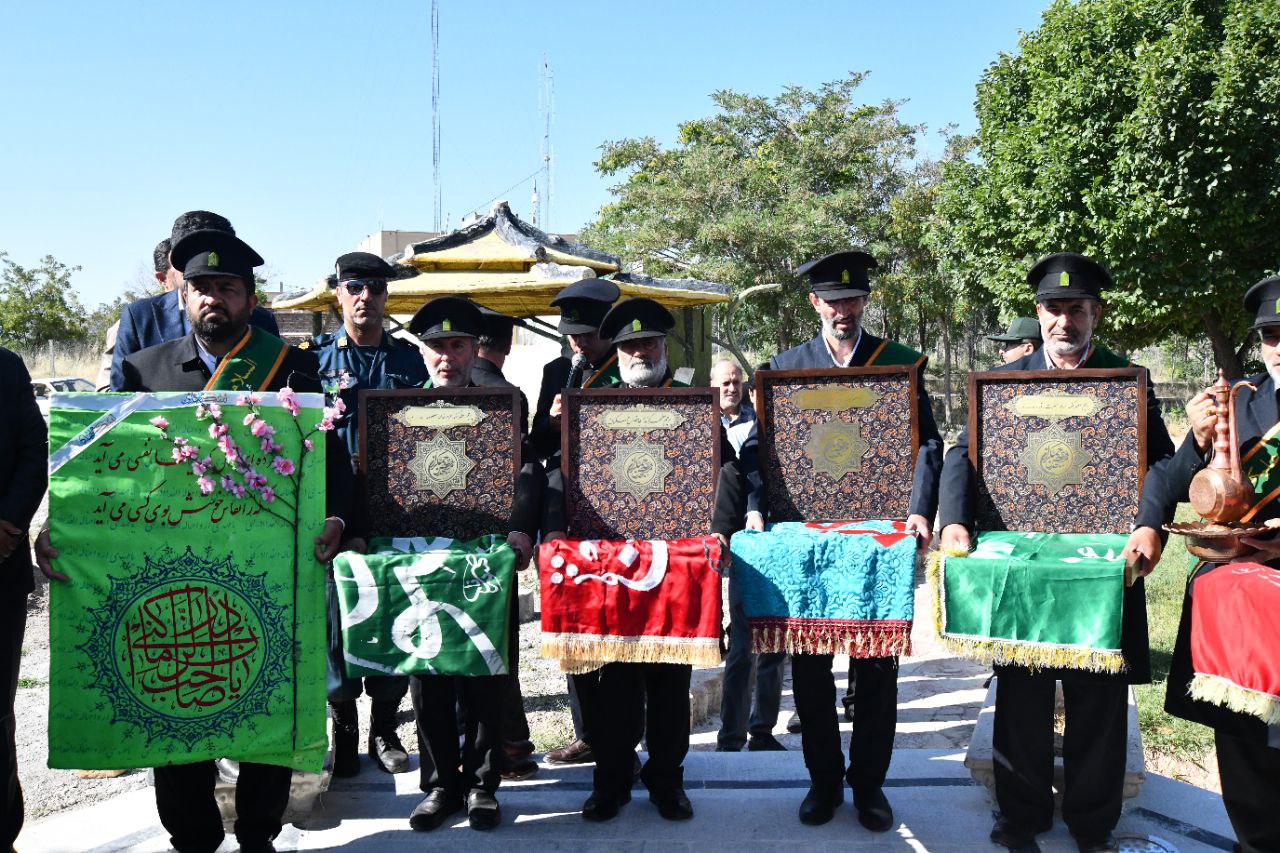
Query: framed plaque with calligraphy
(439, 462)
(640, 463)
(837, 443)
(1058, 451)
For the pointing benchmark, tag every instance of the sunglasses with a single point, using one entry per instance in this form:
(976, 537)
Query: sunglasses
(356, 286)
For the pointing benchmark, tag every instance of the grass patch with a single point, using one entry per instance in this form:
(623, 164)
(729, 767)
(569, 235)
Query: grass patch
(24, 683)
(1161, 733)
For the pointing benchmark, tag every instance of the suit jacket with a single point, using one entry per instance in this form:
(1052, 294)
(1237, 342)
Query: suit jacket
(1165, 486)
(176, 366)
(158, 319)
(924, 484)
(544, 438)
(23, 468)
(959, 501)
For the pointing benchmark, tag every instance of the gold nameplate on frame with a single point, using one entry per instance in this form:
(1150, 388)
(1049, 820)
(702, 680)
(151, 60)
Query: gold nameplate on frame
(834, 398)
(640, 468)
(1053, 457)
(1054, 407)
(639, 419)
(439, 416)
(441, 465)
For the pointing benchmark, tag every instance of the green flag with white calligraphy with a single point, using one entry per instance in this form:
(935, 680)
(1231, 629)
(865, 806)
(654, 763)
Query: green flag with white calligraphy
(426, 606)
(192, 626)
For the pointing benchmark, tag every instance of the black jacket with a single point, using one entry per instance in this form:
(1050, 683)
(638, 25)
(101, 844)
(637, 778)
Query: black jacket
(23, 468)
(176, 366)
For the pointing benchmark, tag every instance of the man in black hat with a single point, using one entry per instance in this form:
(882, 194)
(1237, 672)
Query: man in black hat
(492, 348)
(1021, 339)
(635, 697)
(1068, 290)
(223, 352)
(1248, 749)
(363, 355)
(839, 289)
(448, 328)
(582, 306)
(157, 319)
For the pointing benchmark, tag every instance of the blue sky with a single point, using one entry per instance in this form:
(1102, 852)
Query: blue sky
(309, 124)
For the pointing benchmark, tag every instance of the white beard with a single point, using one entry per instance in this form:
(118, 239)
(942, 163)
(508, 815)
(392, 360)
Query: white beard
(643, 375)
(455, 381)
(829, 329)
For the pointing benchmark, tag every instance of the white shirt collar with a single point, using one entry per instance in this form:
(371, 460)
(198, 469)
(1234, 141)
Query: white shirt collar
(1049, 362)
(848, 360)
(205, 356)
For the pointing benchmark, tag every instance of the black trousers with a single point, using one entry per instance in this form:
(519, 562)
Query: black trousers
(1093, 750)
(515, 725)
(582, 700)
(435, 704)
(13, 622)
(634, 698)
(184, 799)
(1250, 773)
(875, 719)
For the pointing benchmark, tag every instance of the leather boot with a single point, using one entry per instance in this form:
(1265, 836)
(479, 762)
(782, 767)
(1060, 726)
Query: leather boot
(346, 738)
(385, 747)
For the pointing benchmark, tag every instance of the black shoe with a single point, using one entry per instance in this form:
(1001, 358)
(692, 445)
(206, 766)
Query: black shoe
(819, 805)
(1008, 834)
(793, 724)
(434, 809)
(482, 809)
(673, 805)
(346, 738)
(874, 811)
(385, 748)
(256, 846)
(1097, 845)
(728, 749)
(764, 743)
(516, 771)
(600, 808)
(848, 713)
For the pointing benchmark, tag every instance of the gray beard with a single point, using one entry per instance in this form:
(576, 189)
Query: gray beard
(829, 329)
(642, 375)
(457, 381)
(1274, 373)
(1058, 350)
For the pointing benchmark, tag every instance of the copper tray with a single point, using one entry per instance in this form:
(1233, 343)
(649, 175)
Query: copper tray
(1217, 543)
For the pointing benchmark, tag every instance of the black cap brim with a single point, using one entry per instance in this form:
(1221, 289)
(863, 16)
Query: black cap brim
(632, 336)
(571, 327)
(842, 293)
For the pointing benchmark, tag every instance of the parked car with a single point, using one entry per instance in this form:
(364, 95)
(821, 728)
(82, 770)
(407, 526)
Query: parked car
(45, 388)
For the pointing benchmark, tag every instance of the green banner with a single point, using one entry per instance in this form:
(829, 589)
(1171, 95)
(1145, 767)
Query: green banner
(192, 626)
(1035, 599)
(426, 606)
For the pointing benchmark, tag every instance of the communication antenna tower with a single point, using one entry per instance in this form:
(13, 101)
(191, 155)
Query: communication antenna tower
(546, 103)
(435, 111)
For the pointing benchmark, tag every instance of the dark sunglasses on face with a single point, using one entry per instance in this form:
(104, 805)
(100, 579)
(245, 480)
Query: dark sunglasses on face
(357, 285)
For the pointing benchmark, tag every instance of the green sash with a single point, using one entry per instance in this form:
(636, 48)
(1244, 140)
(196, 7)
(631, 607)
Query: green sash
(1041, 600)
(606, 374)
(891, 353)
(251, 364)
(1262, 466)
(1101, 358)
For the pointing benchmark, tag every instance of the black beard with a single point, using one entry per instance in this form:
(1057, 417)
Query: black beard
(216, 330)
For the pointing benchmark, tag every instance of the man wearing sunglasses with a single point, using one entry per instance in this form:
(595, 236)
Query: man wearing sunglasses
(369, 358)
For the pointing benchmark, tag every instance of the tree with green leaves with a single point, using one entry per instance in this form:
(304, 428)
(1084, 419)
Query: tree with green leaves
(38, 304)
(751, 192)
(1145, 133)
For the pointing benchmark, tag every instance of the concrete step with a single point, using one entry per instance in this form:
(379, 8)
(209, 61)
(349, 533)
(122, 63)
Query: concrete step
(739, 798)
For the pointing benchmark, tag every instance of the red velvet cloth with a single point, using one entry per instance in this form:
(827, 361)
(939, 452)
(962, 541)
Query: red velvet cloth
(1235, 627)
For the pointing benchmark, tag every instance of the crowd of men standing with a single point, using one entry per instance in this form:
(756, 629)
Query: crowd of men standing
(472, 732)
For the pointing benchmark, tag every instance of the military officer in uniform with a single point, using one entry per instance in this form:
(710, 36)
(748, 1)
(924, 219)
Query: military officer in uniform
(1248, 749)
(363, 355)
(1022, 338)
(466, 776)
(840, 287)
(582, 306)
(1067, 289)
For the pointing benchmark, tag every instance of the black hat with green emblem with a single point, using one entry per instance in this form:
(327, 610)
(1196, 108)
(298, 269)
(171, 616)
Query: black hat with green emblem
(1068, 275)
(843, 275)
(583, 305)
(208, 252)
(447, 317)
(639, 317)
(1263, 302)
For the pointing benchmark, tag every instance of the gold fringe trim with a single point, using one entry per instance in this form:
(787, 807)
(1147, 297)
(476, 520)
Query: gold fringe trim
(593, 653)
(1226, 693)
(800, 639)
(1012, 652)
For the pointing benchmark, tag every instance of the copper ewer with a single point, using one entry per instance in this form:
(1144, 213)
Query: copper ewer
(1220, 493)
